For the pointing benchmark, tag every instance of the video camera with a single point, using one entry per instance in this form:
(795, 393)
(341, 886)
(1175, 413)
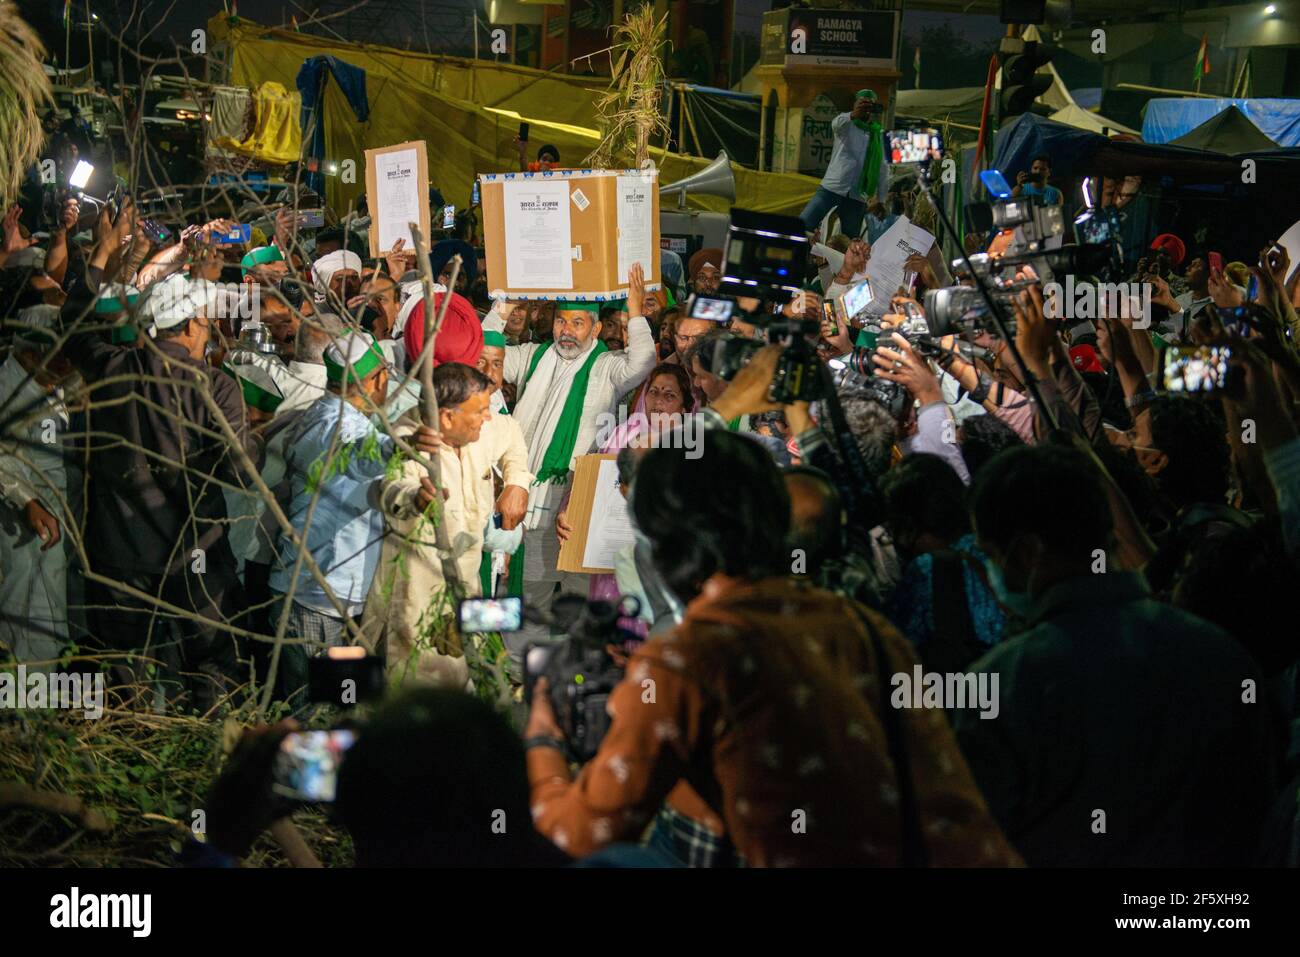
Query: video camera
(579, 669)
(764, 260)
(962, 309)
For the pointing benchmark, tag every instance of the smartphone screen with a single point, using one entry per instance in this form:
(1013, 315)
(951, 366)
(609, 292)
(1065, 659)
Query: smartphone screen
(311, 218)
(307, 766)
(714, 310)
(1196, 370)
(478, 615)
(856, 299)
(474, 194)
(449, 217)
(236, 235)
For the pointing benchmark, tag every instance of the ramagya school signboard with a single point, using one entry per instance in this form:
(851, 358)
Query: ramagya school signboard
(843, 38)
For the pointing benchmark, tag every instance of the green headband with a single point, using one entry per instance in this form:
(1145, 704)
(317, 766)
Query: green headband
(260, 257)
(254, 395)
(568, 306)
(359, 370)
(113, 304)
(493, 340)
(869, 94)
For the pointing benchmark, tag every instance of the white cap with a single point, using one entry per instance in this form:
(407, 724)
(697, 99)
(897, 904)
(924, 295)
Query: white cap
(323, 269)
(175, 300)
(41, 324)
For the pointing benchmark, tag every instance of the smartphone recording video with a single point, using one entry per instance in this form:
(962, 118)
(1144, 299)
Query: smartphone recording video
(449, 217)
(855, 300)
(306, 768)
(915, 146)
(1195, 370)
(311, 219)
(236, 235)
(477, 615)
(714, 310)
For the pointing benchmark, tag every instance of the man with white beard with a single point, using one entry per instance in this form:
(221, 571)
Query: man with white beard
(565, 387)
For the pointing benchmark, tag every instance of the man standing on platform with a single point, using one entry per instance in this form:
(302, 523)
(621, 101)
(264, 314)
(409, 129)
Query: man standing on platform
(858, 170)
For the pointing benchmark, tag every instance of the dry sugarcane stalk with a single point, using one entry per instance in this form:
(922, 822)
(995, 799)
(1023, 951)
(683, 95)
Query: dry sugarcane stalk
(629, 110)
(23, 87)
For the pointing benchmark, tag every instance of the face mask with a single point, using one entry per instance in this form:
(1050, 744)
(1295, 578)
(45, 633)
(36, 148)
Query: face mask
(1017, 602)
(651, 581)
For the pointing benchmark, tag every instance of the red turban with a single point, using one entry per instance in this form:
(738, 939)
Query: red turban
(1173, 247)
(459, 340)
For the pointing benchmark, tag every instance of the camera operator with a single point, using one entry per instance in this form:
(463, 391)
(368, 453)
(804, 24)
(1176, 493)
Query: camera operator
(742, 728)
(1033, 182)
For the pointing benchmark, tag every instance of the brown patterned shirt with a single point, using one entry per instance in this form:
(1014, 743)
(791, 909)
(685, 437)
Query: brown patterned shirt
(764, 704)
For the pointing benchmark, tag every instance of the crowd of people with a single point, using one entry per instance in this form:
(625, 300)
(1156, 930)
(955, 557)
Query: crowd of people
(209, 484)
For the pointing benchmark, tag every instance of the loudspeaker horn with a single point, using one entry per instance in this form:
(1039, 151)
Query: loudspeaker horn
(716, 179)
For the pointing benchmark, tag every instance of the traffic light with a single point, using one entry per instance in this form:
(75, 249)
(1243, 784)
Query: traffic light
(1021, 81)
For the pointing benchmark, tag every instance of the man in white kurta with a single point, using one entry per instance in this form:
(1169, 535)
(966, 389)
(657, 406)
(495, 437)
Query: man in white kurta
(407, 605)
(33, 511)
(544, 375)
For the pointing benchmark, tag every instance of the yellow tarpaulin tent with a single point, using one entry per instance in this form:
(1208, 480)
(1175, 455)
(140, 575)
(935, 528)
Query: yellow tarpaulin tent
(468, 113)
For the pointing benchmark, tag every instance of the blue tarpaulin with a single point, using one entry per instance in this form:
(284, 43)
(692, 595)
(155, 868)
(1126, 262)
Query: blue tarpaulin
(311, 84)
(1168, 119)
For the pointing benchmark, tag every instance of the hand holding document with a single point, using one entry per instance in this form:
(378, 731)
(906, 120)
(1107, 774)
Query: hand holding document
(598, 515)
(887, 269)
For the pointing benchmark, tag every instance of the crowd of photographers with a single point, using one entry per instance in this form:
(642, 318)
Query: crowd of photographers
(824, 502)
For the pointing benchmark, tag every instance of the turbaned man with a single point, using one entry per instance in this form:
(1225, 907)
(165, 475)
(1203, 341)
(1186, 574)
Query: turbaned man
(564, 389)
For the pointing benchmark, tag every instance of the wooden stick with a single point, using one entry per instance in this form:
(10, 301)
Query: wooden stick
(17, 794)
(429, 400)
(294, 847)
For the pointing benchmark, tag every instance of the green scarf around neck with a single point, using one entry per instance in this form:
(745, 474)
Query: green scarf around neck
(875, 153)
(555, 463)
